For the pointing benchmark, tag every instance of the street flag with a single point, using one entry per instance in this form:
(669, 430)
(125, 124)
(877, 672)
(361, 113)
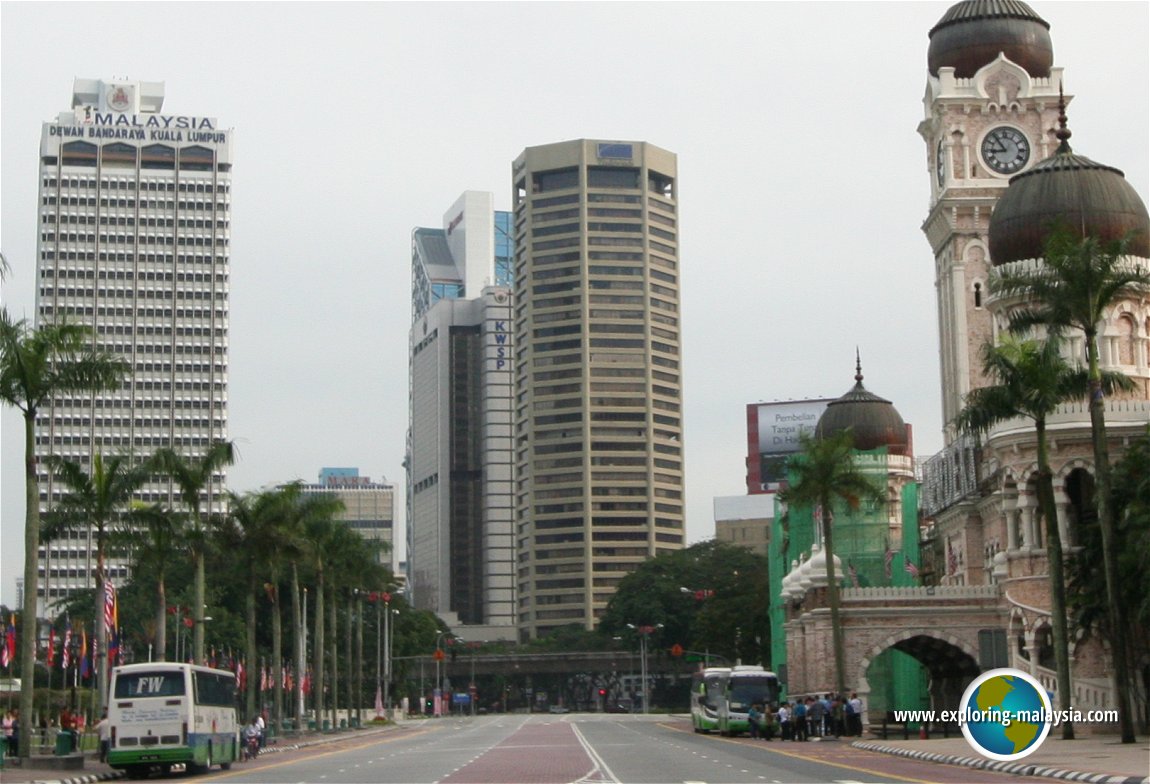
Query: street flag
(241, 674)
(910, 568)
(378, 701)
(51, 647)
(85, 665)
(66, 654)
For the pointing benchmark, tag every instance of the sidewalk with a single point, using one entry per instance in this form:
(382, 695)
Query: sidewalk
(94, 770)
(1098, 759)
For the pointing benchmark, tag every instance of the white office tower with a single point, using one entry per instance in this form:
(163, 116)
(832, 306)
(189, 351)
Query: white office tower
(134, 225)
(460, 542)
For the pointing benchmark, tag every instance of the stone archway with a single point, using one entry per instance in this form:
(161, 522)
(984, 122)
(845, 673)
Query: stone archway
(951, 662)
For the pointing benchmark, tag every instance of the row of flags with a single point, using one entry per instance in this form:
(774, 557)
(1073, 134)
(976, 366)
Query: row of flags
(70, 656)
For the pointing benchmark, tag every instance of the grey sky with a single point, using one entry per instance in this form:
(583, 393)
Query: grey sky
(802, 185)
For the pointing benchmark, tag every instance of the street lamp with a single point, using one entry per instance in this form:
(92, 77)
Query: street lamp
(438, 689)
(644, 632)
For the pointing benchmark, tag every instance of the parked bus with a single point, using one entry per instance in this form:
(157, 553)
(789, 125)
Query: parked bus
(707, 688)
(744, 686)
(165, 713)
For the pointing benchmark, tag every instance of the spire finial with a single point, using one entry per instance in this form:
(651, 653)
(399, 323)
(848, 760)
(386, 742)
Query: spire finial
(1063, 133)
(858, 366)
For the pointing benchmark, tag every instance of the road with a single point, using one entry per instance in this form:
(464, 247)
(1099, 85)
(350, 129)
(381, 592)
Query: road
(584, 749)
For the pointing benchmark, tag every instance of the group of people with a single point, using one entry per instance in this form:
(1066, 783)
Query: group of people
(807, 717)
(12, 732)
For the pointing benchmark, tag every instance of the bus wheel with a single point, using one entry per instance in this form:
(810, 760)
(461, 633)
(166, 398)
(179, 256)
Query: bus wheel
(136, 771)
(166, 769)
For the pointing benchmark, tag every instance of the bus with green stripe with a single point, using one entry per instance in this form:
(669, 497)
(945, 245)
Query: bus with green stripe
(163, 714)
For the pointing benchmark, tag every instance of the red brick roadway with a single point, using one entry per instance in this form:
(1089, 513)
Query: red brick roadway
(539, 753)
(839, 753)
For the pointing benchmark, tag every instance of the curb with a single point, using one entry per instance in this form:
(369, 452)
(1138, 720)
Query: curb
(90, 778)
(1019, 768)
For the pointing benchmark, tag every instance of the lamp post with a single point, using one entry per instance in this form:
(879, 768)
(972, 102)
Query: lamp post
(644, 632)
(437, 690)
(701, 595)
(386, 650)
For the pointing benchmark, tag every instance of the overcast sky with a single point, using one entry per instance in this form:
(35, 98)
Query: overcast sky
(802, 187)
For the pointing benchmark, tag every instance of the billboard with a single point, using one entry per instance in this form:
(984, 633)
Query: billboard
(773, 431)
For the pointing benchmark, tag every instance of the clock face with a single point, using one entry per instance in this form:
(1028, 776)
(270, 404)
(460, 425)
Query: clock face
(1005, 150)
(939, 166)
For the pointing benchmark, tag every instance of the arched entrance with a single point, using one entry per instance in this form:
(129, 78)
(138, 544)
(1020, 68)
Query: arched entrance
(947, 664)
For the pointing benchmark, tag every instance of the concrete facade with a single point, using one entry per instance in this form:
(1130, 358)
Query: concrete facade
(598, 384)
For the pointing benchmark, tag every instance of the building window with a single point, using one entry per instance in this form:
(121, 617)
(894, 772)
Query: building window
(612, 177)
(558, 179)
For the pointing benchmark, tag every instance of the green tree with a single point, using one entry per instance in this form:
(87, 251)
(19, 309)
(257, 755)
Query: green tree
(710, 597)
(97, 500)
(36, 365)
(1088, 595)
(153, 534)
(825, 475)
(1032, 380)
(1079, 279)
(192, 475)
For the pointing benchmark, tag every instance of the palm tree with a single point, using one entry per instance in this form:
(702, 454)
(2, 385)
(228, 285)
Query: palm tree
(1078, 281)
(97, 500)
(192, 476)
(825, 474)
(307, 508)
(246, 532)
(1033, 380)
(153, 534)
(36, 365)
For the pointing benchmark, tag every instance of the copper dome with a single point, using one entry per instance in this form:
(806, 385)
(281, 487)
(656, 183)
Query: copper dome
(973, 33)
(1087, 198)
(873, 420)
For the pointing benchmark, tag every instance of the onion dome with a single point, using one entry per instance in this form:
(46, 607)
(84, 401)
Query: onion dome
(1086, 198)
(786, 589)
(873, 420)
(804, 580)
(818, 566)
(974, 32)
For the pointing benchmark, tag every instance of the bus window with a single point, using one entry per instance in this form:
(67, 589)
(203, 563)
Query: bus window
(150, 684)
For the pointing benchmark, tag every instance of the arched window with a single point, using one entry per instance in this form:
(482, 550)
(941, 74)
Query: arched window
(158, 156)
(79, 154)
(977, 294)
(118, 154)
(1125, 339)
(196, 159)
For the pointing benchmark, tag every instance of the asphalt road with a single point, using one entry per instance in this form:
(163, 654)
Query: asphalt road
(584, 749)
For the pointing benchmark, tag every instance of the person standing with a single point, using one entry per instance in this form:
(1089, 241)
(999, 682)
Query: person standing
(800, 719)
(815, 716)
(856, 714)
(8, 733)
(104, 733)
(785, 722)
(753, 718)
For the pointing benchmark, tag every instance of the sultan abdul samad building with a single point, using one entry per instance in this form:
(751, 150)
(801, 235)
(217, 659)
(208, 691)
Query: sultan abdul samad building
(1002, 174)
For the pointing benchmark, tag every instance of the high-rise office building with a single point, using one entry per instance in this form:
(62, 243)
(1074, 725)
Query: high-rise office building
(460, 542)
(598, 403)
(368, 508)
(134, 226)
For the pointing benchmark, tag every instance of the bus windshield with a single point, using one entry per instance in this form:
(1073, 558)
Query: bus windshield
(153, 683)
(753, 690)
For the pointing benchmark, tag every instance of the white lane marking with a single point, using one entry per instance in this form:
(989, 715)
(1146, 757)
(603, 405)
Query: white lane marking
(600, 765)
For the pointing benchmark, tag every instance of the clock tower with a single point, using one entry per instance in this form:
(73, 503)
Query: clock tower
(991, 112)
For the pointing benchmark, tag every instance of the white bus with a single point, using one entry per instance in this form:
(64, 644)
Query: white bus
(745, 685)
(165, 713)
(707, 688)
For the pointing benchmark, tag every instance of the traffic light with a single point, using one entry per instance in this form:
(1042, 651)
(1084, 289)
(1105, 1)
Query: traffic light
(602, 692)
